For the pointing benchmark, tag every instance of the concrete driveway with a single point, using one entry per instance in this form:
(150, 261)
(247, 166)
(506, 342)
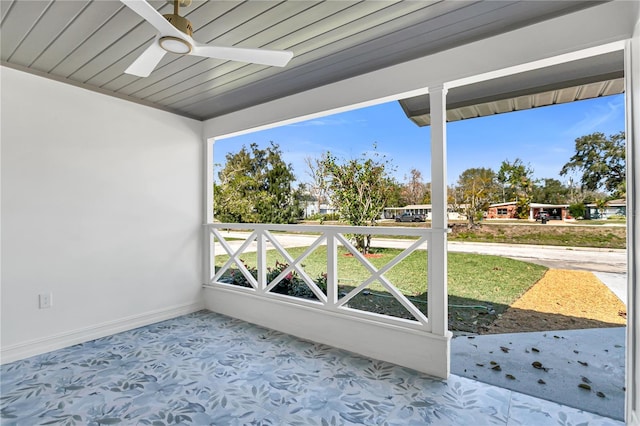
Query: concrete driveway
(581, 258)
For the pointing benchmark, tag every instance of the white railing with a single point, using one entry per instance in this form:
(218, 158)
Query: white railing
(234, 240)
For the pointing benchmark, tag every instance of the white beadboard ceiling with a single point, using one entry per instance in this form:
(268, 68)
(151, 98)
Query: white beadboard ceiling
(90, 43)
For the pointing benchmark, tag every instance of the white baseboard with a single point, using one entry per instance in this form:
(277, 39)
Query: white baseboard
(73, 337)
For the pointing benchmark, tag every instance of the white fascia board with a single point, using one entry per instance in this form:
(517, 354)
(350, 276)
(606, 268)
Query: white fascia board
(531, 47)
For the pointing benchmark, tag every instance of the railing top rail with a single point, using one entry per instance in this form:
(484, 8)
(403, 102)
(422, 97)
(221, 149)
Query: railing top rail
(301, 229)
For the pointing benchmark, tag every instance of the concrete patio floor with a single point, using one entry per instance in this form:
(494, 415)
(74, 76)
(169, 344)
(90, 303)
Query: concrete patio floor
(205, 368)
(568, 358)
(602, 350)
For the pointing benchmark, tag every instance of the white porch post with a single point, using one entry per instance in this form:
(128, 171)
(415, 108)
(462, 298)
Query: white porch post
(437, 302)
(207, 214)
(632, 131)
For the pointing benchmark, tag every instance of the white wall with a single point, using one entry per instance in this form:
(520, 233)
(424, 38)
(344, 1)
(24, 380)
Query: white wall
(101, 206)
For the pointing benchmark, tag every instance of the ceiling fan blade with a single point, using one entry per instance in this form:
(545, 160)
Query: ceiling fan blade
(149, 14)
(147, 61)
(277, 58)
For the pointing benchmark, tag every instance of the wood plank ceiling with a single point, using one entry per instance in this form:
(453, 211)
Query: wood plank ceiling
(91, 43)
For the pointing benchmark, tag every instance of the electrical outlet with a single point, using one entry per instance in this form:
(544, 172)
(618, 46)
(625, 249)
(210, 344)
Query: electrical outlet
(46, 300)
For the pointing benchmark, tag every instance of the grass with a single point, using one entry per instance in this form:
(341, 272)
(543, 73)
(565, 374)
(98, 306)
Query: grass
(491, 283)
(616, 221)
(566, 236)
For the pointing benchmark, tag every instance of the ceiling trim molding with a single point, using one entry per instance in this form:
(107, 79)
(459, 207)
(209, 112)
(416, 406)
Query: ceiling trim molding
(97, 90)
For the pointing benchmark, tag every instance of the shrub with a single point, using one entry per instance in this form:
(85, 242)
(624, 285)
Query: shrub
(291, 284)
(577, 210)
(322, 217)
(236, 277)
(286, 284)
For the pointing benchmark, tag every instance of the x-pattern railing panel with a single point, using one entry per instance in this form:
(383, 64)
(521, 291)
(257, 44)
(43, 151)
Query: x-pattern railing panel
(294, 265)
(377, 275)
(331, 236)
(234, 257)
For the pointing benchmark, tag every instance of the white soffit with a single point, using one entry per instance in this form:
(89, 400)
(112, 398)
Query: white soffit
(588, 78)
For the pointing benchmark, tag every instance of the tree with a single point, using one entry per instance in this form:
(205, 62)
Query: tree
(427, 195)
(601, 161)
(476, 188)
(601, 205)
(256, 186)
(580, 195)
(360, 189)
(396, 197)
(574, 193)
(517, 183)
(551, 192)
(415, 190)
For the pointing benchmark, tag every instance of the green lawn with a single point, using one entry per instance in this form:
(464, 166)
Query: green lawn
(605, 222)
(566, 236)
(485, 282)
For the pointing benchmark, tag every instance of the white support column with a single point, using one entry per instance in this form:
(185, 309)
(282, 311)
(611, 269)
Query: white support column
(632, 132)
(437, 296)
(208, 264)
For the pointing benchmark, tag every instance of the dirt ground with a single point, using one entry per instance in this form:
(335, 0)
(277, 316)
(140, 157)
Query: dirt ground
(562, 300)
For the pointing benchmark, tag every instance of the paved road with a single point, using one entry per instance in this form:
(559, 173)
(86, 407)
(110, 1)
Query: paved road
(581, 258)
(587, 259)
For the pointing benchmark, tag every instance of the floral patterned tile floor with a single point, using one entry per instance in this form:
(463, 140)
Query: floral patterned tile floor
(209, 369)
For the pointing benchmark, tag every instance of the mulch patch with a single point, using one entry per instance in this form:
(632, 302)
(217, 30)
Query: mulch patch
(562, 300)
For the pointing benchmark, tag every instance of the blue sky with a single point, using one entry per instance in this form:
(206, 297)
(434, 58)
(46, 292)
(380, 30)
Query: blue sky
(542, 137)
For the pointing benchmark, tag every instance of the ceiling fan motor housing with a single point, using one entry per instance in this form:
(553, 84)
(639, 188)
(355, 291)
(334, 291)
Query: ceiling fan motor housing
(180, 23)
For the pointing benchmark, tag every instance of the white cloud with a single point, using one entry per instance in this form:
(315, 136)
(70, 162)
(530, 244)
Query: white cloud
(597, 117)
(322, 122)
(559, 150)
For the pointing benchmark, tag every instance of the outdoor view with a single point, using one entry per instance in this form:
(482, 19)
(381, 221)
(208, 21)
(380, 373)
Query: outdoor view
(536, 211)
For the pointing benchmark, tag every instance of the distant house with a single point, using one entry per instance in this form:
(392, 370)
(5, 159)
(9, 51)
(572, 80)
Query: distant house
(508, 210)
(502, 211)
(612, 208)
(423, 209)
(311, 208)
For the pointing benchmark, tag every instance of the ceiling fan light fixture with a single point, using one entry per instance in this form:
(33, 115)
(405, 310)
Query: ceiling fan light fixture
(174, 36)
(175, 45)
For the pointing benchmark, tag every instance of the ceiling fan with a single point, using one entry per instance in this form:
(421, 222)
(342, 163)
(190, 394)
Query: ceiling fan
(174, 36)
